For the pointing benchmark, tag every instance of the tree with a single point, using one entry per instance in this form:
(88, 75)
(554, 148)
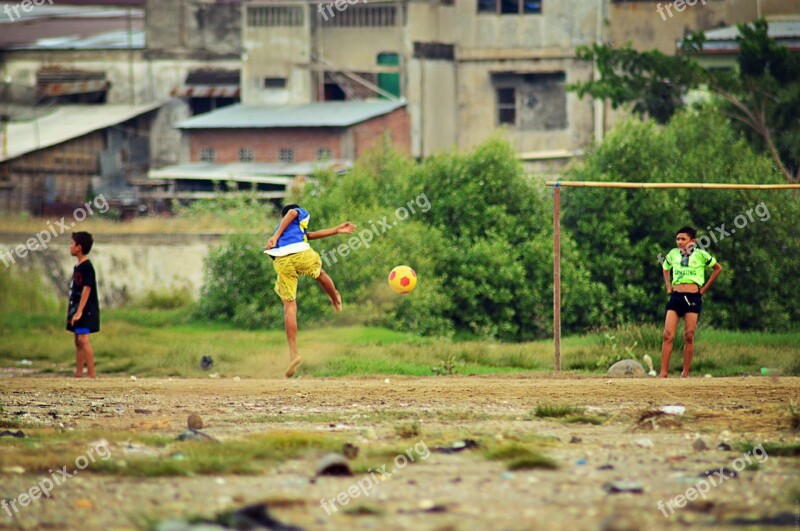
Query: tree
(762, 97)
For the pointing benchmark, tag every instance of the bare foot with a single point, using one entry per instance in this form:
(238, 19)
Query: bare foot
(662, 375)
(77, 376)
(684, 375)
(292, 369)
(337, 303)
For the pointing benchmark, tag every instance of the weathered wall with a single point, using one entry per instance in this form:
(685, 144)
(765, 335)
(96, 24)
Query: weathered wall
(646, 28)
(148, 79)
(176, 25)
(127, 266)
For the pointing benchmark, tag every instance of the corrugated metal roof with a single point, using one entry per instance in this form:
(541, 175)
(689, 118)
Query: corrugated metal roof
(121, 39)
(70, 27)
(61, 11)
(65, 123)
(251, 172)
(318, 114)
(775, 29)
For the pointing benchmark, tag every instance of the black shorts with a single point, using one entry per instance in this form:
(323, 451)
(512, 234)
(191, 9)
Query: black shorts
(683, 303)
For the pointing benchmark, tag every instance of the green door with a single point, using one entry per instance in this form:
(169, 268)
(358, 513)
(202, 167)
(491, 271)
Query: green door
(389, 82)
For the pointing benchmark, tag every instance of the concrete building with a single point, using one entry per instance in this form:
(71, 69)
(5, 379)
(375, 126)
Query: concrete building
(647, 24)
(53, 162)
(465, 68)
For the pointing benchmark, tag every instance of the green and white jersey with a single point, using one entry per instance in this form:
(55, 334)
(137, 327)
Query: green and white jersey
(688, 269)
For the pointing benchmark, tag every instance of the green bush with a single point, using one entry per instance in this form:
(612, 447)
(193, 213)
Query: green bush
(622, 233)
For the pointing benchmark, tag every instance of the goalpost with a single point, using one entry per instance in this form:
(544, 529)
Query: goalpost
(557, 185)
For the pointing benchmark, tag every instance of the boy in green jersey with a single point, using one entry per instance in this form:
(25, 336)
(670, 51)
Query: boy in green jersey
(688, 263)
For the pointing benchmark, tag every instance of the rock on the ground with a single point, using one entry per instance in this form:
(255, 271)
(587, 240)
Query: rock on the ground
(626, 368)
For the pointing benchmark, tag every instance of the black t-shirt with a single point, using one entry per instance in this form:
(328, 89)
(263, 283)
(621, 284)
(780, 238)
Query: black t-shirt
(83, 275)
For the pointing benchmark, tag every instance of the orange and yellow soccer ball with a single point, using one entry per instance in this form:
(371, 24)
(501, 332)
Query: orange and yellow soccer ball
(402, 279)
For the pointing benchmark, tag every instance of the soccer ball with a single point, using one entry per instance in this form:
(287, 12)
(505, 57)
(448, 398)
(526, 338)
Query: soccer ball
(402, 279)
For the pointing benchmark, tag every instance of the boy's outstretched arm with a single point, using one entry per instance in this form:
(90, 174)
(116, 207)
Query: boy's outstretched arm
(344, 228)
(714, 275)
(285, 222)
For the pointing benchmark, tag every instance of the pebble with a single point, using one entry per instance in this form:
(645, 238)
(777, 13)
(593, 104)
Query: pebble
(195, 422)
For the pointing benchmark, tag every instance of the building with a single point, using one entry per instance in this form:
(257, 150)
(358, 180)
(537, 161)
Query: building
(53, 162)
(266, 148)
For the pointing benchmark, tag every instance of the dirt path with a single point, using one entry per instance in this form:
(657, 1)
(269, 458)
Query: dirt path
(458, 491)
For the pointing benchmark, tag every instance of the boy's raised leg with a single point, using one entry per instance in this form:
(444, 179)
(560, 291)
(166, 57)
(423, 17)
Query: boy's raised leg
(670, 324)
(689, 326)
(290, 321)
(327, 284)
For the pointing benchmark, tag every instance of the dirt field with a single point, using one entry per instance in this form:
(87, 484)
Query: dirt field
(441, 491)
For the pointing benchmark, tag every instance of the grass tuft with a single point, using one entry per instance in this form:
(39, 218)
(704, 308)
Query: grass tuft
(546, 410)
(520, 456)
(407, 430)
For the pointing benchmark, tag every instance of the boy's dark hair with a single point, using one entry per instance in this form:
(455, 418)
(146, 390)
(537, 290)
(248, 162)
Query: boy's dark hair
(287, 208)
(691, 231)
(84, 239)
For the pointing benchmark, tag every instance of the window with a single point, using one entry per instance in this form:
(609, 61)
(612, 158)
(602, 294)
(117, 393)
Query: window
(358, 16)
(507, 106)
(246, 154)
(531, 102)
(274, 82)
(286, 155)
(266, 16)
(510, 7)
(208, 154)
(324, 154)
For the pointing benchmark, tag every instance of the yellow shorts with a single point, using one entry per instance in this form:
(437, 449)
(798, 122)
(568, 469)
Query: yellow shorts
(289, 268)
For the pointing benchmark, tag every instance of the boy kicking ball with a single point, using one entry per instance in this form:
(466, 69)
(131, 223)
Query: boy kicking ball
(686, 290)
(293, 256)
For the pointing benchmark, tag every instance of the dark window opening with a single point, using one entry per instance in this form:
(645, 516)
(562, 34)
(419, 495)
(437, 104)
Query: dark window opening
(286, 155)
(506, 106)
(274, 82)
(510, 7)
(204, 105)
(533, 102)
(208, 154)
(246, 154)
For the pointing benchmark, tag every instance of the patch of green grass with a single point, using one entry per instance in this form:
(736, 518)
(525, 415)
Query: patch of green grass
(169, 341)
(46, 450)
(407, 430)
(520, 456)
(532, 462)
(547, 410)
(771, 449)
(363, 510)
(585, 419)
(794, 416)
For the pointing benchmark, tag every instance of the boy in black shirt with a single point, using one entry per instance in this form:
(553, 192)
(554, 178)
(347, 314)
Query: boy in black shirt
(83, 313)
